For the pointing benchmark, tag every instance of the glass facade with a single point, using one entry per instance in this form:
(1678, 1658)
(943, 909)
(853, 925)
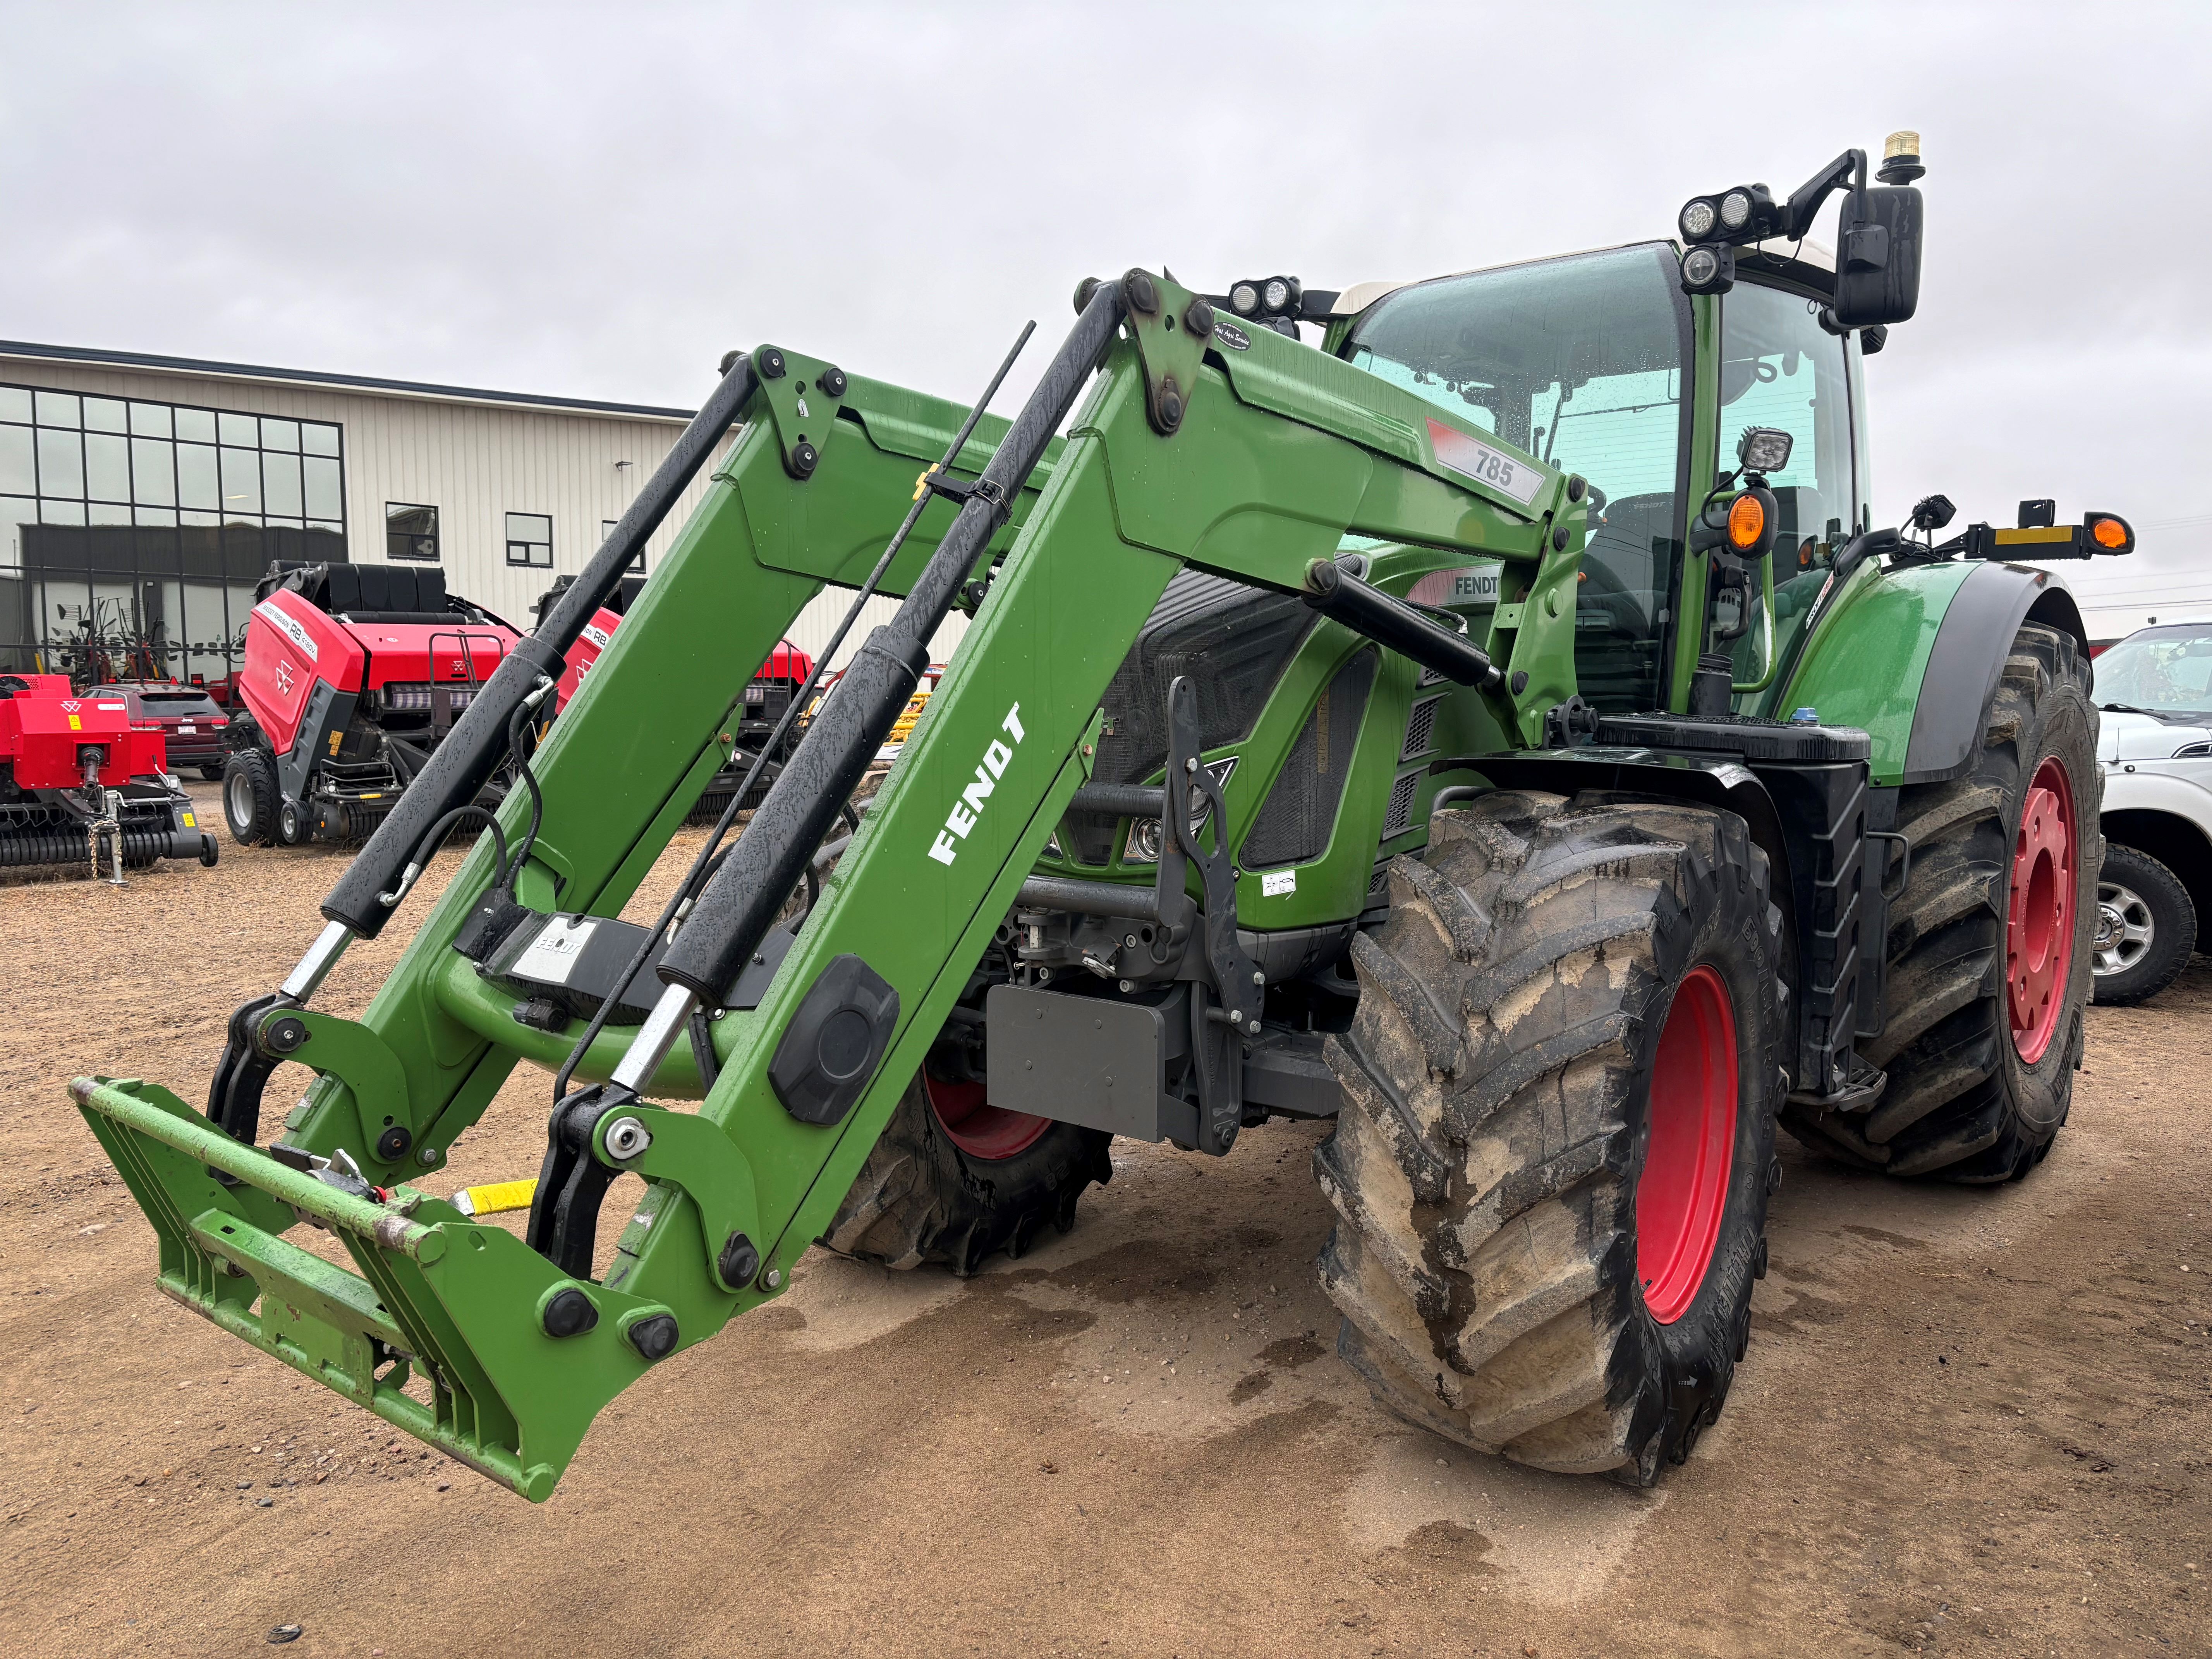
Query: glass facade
(132, 533)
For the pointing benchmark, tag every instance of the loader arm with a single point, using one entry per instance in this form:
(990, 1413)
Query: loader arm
(1249, 456)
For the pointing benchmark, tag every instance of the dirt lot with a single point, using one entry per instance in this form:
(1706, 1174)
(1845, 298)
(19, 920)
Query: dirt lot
(1971, 1422)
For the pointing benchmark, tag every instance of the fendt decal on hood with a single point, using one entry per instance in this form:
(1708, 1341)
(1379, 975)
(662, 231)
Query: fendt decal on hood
(969, 806)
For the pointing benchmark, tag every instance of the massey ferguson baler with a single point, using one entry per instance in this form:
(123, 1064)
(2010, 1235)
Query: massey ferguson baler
(353, 676)
(1415, 734)
(79, 785)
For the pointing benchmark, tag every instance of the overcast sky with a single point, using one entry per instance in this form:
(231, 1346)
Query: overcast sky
(598, 201)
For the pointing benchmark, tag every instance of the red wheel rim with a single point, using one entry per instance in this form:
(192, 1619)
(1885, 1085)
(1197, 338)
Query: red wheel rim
(2039, 911)
(1684, 1192)
(977, 1128)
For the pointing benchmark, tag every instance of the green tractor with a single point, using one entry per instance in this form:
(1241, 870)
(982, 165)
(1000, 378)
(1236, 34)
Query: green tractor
(1501, 731)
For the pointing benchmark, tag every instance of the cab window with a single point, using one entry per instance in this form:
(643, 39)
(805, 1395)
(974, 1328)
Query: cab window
(1579, 361)
(1779, 367)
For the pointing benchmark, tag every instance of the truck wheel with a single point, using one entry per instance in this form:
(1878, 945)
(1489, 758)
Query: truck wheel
(213, 773)
(1551, 1168)
(2146, 927)
(953, 1180)
(1991, 943)
(249, 797)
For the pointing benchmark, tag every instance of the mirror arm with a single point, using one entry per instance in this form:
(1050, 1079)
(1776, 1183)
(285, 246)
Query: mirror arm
(1805, 201)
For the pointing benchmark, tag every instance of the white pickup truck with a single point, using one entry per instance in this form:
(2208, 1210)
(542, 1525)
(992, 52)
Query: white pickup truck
(2154, 688)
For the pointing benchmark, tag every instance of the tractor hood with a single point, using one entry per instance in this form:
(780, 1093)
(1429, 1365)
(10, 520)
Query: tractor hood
(2125, 736)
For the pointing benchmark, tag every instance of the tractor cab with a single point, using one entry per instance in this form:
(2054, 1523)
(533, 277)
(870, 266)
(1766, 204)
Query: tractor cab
(1599, 364)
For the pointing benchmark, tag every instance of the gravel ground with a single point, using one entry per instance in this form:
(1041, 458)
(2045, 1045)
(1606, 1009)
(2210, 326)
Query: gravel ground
(1971, 1422)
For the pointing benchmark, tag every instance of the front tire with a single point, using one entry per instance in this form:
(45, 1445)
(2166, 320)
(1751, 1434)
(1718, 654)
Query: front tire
(2146, 927)
(1985, 990)
(1551, 1168)
(953, 1180)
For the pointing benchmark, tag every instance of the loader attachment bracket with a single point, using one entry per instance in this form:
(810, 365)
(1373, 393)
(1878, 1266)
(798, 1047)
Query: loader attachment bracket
(803, 395)
(356, 1059)
(685, 1152)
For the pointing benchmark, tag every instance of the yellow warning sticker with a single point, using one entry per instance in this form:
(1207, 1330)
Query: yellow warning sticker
(77, 723)
(189, 823)
(496, 1198)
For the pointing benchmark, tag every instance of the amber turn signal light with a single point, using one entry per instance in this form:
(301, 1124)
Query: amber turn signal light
(1747, 522)
(2111, 535)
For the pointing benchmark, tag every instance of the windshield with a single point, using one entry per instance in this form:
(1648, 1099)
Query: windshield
(1578, 362)
(2160, 671)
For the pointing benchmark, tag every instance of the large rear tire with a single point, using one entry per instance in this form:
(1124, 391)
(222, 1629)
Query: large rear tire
(1551, 1168)
(953, 1180)
(1991, 943)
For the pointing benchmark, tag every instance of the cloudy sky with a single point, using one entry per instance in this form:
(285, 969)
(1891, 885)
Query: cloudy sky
(598, 201)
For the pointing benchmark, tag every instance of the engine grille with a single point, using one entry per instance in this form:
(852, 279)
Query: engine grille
(1420, 728)
(1299, 815)
(1398, 817)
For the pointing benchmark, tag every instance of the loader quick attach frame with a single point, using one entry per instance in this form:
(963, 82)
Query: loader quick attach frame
(1240, 453)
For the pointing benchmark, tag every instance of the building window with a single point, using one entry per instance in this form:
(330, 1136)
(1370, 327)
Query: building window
(606, 534)
(131, 533)
(410, 532)
(529, 540)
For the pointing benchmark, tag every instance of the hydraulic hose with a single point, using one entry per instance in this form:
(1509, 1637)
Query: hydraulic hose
(463, 763)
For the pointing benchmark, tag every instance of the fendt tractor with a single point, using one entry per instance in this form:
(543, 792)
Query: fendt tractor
(1501, 729)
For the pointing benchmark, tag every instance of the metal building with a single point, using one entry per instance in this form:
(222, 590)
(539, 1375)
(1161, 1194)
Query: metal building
(141, 498)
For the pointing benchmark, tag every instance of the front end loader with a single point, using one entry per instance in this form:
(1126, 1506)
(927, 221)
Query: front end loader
(1501, 732)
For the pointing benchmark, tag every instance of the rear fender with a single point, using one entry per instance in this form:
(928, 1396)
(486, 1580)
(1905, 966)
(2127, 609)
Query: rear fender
(1911, 656)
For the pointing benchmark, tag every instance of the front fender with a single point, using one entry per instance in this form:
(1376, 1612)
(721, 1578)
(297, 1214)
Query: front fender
(1911, 655)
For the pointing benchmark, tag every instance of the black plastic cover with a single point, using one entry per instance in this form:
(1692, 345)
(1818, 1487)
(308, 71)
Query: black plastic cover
(572, 962)
(835, 1041)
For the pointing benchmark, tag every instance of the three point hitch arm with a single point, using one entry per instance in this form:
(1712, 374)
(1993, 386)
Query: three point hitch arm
(1247, 455)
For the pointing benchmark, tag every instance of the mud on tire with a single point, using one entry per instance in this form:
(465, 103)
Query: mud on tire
(920, 1198)
(1498, 1112)
(1961, 1103)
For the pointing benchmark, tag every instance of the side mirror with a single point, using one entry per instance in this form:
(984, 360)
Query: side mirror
(1878, 257)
